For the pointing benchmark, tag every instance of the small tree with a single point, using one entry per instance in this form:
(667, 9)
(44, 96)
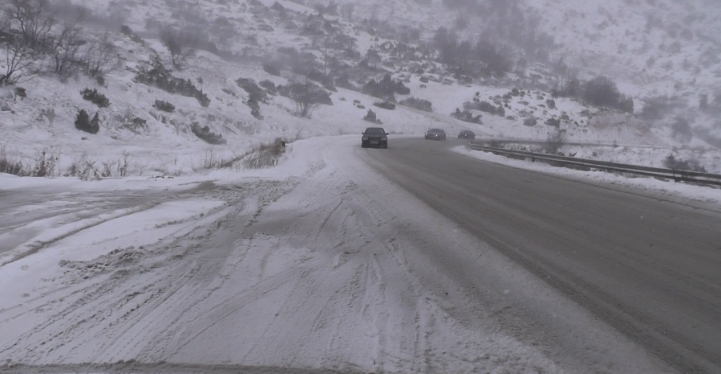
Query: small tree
(181, 45)
(21, 92)
(95, 97)
(20, 60)
(101, 58)
(371, 117)
(32, 20)
(65, 47)
(305, 97)
(602, 91)
(164, 106)
(83, 123)
(419, 104)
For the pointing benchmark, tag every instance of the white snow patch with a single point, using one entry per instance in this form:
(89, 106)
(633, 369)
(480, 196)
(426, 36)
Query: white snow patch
(707, 195)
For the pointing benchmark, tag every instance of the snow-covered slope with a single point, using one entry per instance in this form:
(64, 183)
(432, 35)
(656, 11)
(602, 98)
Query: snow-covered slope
(651, 49)
(136, 137)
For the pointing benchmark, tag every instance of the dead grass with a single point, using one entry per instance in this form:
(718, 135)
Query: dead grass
(46, 164)
(266, 155)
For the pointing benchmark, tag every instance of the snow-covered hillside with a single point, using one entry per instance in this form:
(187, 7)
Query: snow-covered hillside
(654, 50)
(264, 47)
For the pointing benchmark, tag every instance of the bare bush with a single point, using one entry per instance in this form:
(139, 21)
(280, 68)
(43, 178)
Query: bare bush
(602, 91)
(20, 92)
(204, 133)
(210, 161)
(45, 165)
(124, 164)
(181, 44)
(95, 97)
(485, 106)
(8, 165)
(107, 169)
(266, 155)
(467, 116)
(84, 169)
(371, 117)
(32, 21)
(20, 61)
(157, 75)
(101, 58)
(419, 104)
(133, 123)
(385, 88)
(306, 96)
(164, 106)
(87, 169)
(65, 46)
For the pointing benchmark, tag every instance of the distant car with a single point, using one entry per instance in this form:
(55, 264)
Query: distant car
(435, 134)
(374, 137)
(466, 134)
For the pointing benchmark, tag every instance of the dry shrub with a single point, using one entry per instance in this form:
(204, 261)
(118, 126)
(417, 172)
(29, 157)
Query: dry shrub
(266, 155)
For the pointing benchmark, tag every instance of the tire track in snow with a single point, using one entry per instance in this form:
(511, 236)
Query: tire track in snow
(309, 281)
(154, 301)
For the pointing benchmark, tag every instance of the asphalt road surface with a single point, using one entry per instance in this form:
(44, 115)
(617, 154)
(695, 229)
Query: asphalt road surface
(650, 268)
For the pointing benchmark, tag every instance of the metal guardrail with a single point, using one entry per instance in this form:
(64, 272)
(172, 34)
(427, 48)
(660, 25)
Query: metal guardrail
(501, 141)
(676, 175)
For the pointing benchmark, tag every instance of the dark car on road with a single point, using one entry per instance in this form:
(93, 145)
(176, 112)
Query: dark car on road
(375, 137)
(466, 134)
(435, 134)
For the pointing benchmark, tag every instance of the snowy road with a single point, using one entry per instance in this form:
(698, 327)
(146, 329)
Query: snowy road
(328, 263)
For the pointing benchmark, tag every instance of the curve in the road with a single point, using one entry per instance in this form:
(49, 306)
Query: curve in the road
(649, 268)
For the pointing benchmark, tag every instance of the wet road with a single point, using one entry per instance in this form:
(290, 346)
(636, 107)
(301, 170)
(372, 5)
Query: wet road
(649, 268)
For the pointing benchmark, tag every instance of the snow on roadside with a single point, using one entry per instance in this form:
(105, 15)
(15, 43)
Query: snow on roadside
(88, 239)
(708, 196)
